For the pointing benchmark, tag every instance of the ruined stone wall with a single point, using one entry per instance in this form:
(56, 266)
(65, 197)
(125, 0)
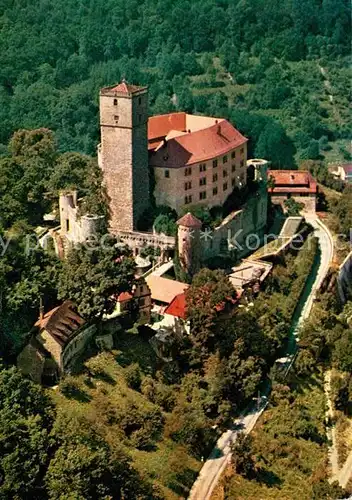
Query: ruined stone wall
(74, 228)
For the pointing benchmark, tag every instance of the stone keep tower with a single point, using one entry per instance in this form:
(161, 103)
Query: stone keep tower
(189, 248)
(123, 153)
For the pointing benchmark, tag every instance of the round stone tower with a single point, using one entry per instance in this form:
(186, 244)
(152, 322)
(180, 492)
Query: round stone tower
(91, 225)
(260, 169)
(189, 248)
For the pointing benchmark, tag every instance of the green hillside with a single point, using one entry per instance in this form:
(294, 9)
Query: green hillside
(225, 58)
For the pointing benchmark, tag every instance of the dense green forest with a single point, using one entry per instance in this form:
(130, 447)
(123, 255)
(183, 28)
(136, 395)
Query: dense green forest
(249, 60)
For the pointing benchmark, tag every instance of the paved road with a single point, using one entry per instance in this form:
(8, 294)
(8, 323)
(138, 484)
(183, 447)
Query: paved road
(221, 454)
(327, 253)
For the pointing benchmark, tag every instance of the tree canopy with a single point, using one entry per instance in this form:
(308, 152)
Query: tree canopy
(93, 272)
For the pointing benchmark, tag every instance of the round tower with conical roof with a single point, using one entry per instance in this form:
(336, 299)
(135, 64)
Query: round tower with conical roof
(189, 248)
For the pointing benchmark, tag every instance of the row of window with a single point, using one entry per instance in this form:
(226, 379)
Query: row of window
(203, 194)
(203, 180)
(202, 168)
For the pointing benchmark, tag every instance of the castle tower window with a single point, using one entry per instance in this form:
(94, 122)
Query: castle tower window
(215, 177)
(203, 181)
(215, 191)
(225, 173)
(115, 102)
(233, 168)
(233, 154)
(67, 225)
(139, 100)
(233, 182)
(224, 159)
(167, 174)
(188, 185)
(188, 199)
(202, 195)
(116, 118)
(215, 163)
(241, 151)
(242, 163)
(202, 167)
(225, 186)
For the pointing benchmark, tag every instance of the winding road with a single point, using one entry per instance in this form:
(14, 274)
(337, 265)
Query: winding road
(221, 454)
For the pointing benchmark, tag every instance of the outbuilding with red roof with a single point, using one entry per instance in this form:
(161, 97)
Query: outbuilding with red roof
(299, 185)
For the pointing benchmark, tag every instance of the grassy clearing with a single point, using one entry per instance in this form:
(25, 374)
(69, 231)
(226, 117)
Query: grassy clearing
(289, 462)
(104, 398)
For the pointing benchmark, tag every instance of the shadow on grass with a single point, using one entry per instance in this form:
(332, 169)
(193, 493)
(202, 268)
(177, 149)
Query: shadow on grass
(134, 349)
(89, 382)
(268, 477)
(216, 453)
(183, 483)
(301, 384)
(105, 377)
(72, 392)
(178, 488)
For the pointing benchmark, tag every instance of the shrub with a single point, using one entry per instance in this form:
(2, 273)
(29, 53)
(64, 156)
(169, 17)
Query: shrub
(132, 376)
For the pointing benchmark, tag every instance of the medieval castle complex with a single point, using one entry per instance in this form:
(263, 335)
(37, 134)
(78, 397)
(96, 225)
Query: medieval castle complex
(194, 159)
(179, 159)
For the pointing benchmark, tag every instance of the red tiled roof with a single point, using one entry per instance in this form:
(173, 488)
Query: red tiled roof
(177, 306)
(126, 88)
(124, 296)
(198, 146)
(159, 126)
(292, 181)
(189, 220)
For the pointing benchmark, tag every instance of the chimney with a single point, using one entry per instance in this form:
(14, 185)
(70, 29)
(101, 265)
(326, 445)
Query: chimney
(218, 131)
(189, 130)
(41, 309)
(216, 121)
